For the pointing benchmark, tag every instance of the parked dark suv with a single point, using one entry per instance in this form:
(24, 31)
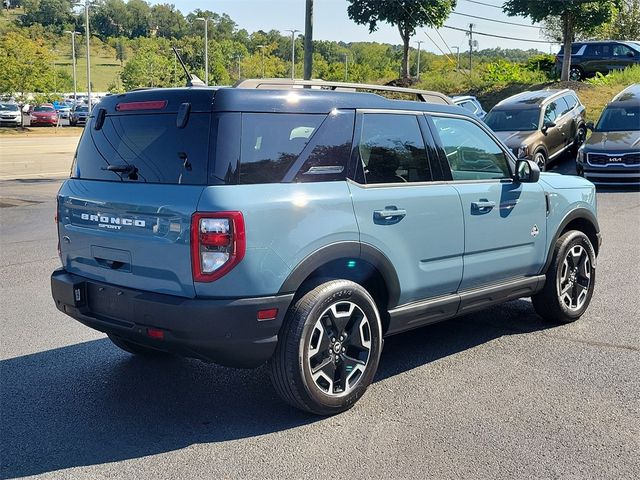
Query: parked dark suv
(539, 125)
(588, 58)
(611, 155)
(300, 227)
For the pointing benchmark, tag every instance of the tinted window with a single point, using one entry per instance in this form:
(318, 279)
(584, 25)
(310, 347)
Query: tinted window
(618, 118)
(469, 105)
(471, 153)
(162, 152)
(272, 142)
(552, 111)
(622, 51)
(563, 106)
(520, 120)
(327, 155)
(392, 149)
(598, 50)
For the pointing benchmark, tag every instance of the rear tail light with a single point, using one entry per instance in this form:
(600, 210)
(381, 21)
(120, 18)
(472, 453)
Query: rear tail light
(217, 244)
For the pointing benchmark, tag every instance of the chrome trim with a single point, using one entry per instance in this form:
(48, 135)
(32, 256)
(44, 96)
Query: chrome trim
(612, 155)
(588, 174)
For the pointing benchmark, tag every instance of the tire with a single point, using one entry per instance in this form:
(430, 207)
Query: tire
(329, 348)
(541, 159)
(135, 349)
(581, 136)
(570, 280)
(576, 74)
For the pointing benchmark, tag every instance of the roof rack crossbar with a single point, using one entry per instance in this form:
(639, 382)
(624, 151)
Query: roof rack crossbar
(265, 83)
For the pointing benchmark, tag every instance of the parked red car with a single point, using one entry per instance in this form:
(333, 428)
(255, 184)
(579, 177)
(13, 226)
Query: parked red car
(44, 115)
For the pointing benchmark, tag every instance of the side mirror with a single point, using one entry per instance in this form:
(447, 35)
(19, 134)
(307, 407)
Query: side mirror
(590, 126)
(527, 171)
(547, 125)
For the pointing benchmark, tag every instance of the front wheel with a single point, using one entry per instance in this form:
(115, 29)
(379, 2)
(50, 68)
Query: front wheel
(541, 160)
(570, 280)
(575, 74)
(329, 348)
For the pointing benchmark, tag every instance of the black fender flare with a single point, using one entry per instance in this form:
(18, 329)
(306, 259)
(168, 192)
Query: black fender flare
(577, 214)
(346, 249)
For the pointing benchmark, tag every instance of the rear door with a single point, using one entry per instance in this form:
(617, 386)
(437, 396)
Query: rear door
(416, 223)
(504, 221)
(125, 214)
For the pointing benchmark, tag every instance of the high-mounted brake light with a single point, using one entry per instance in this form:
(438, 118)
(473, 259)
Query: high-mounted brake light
(218, 244)
(148, 105)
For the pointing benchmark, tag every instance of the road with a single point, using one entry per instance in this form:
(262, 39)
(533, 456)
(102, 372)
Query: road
(497, 394)
(34, 156)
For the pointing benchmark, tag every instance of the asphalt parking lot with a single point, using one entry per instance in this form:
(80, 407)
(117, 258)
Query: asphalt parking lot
(497, 394)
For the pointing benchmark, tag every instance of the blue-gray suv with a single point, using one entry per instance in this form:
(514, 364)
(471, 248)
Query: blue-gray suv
(301, 226)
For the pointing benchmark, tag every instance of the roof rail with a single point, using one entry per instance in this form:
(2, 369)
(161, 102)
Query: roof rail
(286, 83)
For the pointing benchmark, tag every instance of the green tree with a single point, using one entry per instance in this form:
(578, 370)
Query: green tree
(47, 12)
(167, 21)
(110, 18)
(406, 15)
(27, 65)
(574, 16)
(150, 66)
(138, 18)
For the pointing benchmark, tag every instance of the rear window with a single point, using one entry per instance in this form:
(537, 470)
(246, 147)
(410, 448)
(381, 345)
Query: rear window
(153, 144)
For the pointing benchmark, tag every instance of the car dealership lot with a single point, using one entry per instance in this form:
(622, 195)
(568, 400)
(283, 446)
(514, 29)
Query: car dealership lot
(497, 394)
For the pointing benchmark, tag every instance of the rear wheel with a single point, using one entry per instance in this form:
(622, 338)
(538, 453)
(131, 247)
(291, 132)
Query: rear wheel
(329, 348)
(576, 74)
(136, 349)
(570, 280)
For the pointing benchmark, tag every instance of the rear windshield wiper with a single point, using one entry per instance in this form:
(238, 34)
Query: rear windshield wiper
(130, 170)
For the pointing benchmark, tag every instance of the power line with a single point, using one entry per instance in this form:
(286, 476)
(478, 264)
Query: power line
(496, 21)
(499, 36)
(485, 4)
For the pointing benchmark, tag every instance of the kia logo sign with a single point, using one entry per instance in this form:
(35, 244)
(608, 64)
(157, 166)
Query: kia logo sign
(616, 159)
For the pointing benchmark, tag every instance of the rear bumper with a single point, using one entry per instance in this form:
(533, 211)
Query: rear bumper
(223, 331)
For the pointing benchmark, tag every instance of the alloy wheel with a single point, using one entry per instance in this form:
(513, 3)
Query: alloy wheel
(339, 348)
(574, 278)
(540, 160)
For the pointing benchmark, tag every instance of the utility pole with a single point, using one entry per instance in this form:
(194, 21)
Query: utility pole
(308, 40)
(239, 57)
(293, 52)
(262, 47)
(73, 60)
(419, 42)
(206, 48)
(457, 58)
(346, 62)
(88, 35)
(471, 25)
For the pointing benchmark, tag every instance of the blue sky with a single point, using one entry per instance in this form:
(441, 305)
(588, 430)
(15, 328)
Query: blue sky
(332, 23)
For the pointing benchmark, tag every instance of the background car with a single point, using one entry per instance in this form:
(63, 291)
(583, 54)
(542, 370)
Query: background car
(79, 115)
(63, 108)
(539, 125)
(44, 114)
(588, 58)
(10, 115)
(471, 104)
(611, 155)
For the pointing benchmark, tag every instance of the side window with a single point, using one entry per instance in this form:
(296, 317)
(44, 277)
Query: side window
(392, 149)
(469, 105)
(563, 105)
(471, 153)
(327, 156)
(571, 100)
(551, 112)
(271, 143)
(622, 51)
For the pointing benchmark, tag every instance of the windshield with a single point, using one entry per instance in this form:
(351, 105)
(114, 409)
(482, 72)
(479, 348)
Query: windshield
(44, 109)
(521, 120)
(11, 107)
(82, 109)
(619, 119)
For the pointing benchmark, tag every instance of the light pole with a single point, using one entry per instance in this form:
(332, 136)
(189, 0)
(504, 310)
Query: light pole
(238, 58)
(262, 47)
(293, 52)
(346, 62)
(457, 58)
(419, 42)
(86, 31)
(73, 60)
(206, 47)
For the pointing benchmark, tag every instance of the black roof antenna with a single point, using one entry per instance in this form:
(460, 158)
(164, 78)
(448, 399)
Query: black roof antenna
(192, 80)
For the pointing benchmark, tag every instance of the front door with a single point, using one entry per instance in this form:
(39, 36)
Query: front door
(416, 223)
(554, 129)
(505, 222)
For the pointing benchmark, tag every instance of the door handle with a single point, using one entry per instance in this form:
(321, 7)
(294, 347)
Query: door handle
(390, 215)
(482, 206)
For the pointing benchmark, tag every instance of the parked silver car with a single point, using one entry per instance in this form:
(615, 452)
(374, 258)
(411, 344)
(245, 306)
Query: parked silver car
(470, 103)
(10, 115)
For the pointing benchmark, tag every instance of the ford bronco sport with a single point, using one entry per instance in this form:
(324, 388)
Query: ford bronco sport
(301, 226)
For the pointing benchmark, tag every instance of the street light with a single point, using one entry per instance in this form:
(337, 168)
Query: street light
(238, 58)
(346, 56)
(419, 42)
(88, 35)
(73, 59)
(262, 47)
(293, 52)
(206, 47)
